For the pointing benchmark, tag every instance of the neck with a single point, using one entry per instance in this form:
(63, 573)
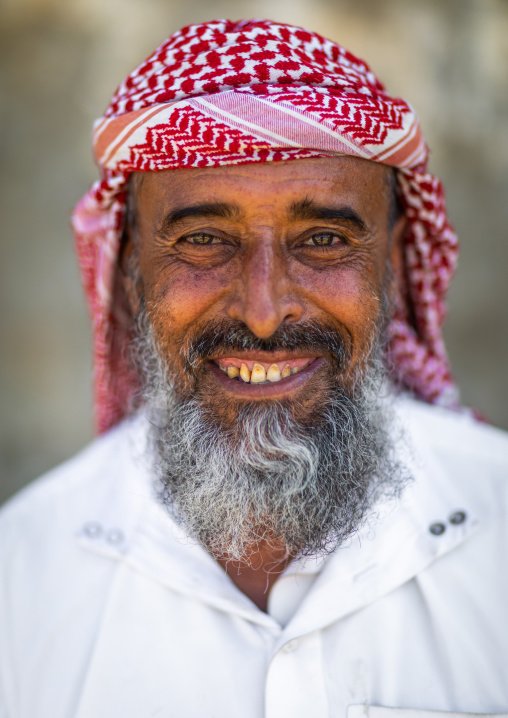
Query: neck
(256, 575)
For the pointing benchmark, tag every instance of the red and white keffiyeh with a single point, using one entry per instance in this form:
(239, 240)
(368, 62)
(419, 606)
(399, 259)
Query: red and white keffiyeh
(256, 91)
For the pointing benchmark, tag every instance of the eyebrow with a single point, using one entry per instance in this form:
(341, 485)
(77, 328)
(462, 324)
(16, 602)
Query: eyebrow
(304, 209)
(308, 210)
(220, 210)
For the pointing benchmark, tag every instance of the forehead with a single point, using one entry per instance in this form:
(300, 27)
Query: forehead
(362, 184)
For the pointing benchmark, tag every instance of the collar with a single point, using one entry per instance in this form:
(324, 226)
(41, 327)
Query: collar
(399, 540)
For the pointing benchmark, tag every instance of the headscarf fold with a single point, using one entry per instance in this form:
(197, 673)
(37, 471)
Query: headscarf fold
(223, 93)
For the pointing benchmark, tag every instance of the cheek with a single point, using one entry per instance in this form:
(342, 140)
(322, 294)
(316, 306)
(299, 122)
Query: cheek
(180, 298)
(348, 295)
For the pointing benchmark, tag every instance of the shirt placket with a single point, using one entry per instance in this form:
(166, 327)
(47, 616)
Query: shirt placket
(295, 685)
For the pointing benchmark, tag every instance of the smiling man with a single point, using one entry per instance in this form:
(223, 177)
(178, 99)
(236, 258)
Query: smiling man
(287, 513)
(261, 292)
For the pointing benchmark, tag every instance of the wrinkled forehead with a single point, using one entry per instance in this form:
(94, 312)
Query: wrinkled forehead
(277, 185)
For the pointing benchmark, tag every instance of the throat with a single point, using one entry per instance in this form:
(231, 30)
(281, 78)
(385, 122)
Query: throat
(256, 576)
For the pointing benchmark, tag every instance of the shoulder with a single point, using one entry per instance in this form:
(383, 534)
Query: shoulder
(455, 453)
(71, 488)
(454, 434)
(52, 588)
(92, 494)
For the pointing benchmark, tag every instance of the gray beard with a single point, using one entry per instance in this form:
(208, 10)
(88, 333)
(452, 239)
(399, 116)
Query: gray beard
(269, 477)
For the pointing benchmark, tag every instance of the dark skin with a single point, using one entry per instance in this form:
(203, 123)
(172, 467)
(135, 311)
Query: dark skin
(264, 244)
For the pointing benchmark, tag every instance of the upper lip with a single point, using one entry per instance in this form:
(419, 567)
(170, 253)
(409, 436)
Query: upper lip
(266, 357)
(296, 363)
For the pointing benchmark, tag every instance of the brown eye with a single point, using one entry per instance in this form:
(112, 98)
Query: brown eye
(201, 239)
(321, 240)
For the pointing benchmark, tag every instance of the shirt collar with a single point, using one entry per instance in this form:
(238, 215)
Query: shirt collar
(399, 540)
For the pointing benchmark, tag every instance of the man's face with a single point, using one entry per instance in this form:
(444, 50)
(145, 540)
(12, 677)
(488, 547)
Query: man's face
(265, 247)
(260, 296)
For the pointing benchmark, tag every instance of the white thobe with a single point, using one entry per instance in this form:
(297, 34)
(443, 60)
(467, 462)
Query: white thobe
(108, 610)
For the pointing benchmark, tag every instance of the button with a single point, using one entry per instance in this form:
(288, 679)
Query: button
(114, 536)
(291, 646)
(458, 517)
(437, 529)
(92, 529)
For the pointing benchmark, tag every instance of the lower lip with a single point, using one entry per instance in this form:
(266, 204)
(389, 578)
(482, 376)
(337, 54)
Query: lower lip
(271, 390)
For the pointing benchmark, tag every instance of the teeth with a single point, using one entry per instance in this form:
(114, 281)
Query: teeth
(273, 373)
(244, 373)
(258, 374)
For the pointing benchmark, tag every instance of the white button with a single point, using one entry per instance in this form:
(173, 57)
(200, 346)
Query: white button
(92, 529)
(291, 646)
(114, 536)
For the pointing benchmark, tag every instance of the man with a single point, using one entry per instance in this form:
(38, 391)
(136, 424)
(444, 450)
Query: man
(279, 519)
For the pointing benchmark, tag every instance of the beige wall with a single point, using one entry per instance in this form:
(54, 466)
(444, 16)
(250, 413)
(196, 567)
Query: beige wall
(60, 61)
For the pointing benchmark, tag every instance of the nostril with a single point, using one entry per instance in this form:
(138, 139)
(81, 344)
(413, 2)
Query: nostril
(264, 306)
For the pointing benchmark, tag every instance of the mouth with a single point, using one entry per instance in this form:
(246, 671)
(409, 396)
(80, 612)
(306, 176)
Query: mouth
(260, 377)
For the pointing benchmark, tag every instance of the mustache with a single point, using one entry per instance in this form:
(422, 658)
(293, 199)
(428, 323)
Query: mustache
(224, 337)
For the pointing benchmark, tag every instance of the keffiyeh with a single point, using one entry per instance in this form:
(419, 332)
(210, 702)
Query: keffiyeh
(227, 92)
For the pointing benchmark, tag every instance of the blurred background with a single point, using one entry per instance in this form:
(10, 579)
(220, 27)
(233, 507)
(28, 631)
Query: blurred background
(61, 61)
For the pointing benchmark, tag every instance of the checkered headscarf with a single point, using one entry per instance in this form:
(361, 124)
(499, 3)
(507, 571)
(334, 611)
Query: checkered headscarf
(227, 92)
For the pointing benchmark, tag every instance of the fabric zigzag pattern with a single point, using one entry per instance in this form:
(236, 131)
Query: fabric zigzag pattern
(228, 93)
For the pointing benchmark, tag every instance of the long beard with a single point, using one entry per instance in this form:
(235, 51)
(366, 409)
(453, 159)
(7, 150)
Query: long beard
(272, 474)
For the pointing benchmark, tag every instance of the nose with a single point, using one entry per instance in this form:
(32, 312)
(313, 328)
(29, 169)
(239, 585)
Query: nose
(264, 297)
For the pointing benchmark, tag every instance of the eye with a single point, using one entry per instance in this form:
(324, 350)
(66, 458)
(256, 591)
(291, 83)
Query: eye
(323, 239)
(202, 239)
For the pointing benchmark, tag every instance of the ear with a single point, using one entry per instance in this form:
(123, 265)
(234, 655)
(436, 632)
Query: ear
(396, 251)
(130, 275)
